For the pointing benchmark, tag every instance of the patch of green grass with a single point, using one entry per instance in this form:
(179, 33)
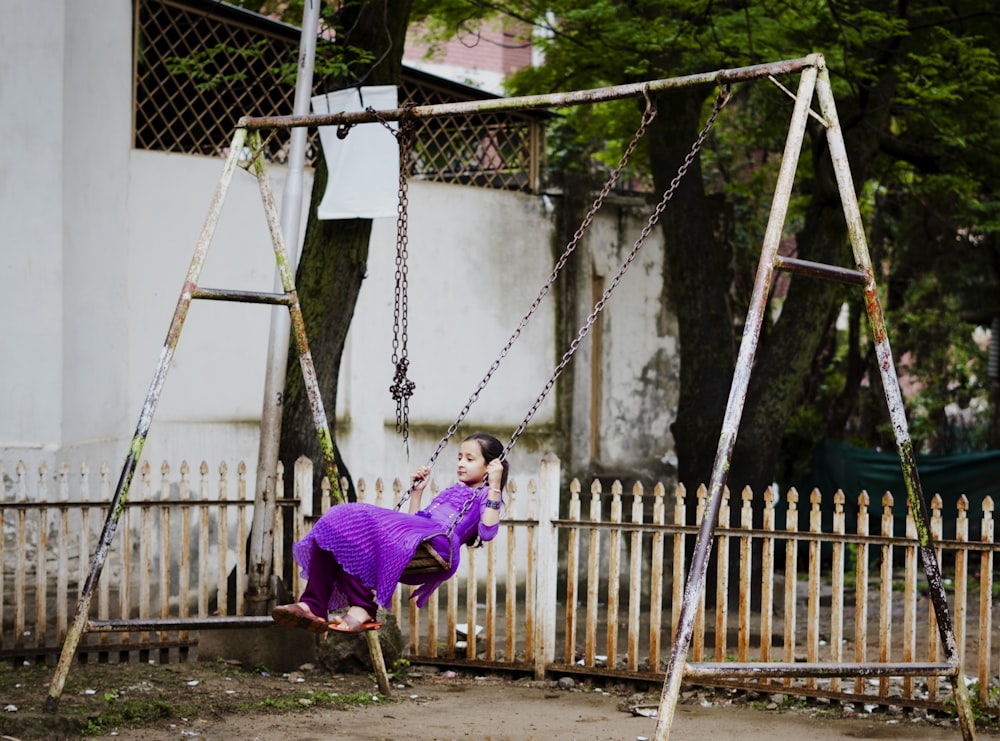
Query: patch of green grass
(793, 701)
(229, 669)
(299, 700)
(984, 714)
(129, 713)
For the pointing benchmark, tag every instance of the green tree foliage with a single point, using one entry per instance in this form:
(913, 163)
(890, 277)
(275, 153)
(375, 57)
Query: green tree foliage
(914, 83)
(346, 58)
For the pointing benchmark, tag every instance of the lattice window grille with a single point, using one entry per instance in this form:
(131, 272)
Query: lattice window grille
(176, 113)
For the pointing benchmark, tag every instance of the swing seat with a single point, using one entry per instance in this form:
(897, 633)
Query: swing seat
(426, 560)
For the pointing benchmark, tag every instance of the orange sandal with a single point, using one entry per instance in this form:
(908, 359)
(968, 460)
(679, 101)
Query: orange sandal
(298, 616)
(350, 624)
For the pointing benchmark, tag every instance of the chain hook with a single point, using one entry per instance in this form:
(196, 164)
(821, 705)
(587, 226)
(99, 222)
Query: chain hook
(650, 105)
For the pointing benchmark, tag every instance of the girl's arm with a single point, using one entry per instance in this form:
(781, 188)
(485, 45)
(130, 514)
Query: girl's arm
(491, 512)
(420, 478)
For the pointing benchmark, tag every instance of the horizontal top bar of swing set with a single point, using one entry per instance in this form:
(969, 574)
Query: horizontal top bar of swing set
(551, 100)
(731, 669)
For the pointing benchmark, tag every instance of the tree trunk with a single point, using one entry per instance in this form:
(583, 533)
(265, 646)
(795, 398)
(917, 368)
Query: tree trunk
(335, 252)
(787, 350)
(698, 274)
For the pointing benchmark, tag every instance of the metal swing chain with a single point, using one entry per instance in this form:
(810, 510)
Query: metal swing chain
(466, 506)
(402, 387)
(720, 102)
(647, 117)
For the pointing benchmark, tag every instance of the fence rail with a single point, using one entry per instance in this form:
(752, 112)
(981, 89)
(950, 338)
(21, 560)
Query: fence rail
(595, 594)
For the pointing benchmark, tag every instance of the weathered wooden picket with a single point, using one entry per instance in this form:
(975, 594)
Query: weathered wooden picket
(596, 594)
(177, 543)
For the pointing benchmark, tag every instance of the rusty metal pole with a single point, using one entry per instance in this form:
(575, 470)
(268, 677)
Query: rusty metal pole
(734, 406)
(120, 497)
(536, 102)
(260, 569)
(894, 399)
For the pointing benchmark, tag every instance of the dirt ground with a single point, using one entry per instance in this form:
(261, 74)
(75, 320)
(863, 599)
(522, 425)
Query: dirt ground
(223, 700)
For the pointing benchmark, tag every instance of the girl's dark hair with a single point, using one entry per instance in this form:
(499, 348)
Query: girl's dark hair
(492, 449)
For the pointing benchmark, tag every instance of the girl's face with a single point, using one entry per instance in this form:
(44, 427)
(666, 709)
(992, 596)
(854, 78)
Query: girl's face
(471, 463)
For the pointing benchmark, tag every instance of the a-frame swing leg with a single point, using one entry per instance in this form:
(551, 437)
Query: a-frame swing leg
(812, 79)
(190, 291)
(309, 372)
(118, 500)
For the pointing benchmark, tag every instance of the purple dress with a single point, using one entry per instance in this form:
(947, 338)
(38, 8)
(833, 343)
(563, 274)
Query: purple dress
(375, 544)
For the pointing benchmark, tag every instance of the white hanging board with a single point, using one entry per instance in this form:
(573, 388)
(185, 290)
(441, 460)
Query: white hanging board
(364, 166)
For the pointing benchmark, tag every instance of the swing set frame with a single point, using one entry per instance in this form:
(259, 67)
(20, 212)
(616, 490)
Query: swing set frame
(426, 560)
(814, 82)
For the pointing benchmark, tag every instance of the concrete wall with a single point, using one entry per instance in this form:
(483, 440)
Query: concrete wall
(31, 219)
(476, 261)
(475, 265)
(624, 380)
(96, 249)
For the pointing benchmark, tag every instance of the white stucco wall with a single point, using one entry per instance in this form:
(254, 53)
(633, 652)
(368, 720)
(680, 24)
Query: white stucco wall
(640, 370)
(466, 297)
(211, 401)
(97, 90)
(477, 259)
(31, 220)
(630, 354)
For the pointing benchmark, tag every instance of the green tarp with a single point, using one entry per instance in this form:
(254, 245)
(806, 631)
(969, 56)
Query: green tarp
(837, 465)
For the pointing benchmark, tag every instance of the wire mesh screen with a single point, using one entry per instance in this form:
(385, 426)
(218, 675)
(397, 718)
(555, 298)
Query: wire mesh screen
(490, 150)
(200, 66)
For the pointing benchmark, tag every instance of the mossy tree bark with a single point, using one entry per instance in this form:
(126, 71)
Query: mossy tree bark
(334, 256)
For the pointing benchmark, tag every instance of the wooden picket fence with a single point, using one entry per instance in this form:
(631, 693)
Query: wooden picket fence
(176, 545)
(595, 594)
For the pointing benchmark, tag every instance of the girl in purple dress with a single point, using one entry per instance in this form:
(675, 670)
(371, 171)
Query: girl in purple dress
(356, 553)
